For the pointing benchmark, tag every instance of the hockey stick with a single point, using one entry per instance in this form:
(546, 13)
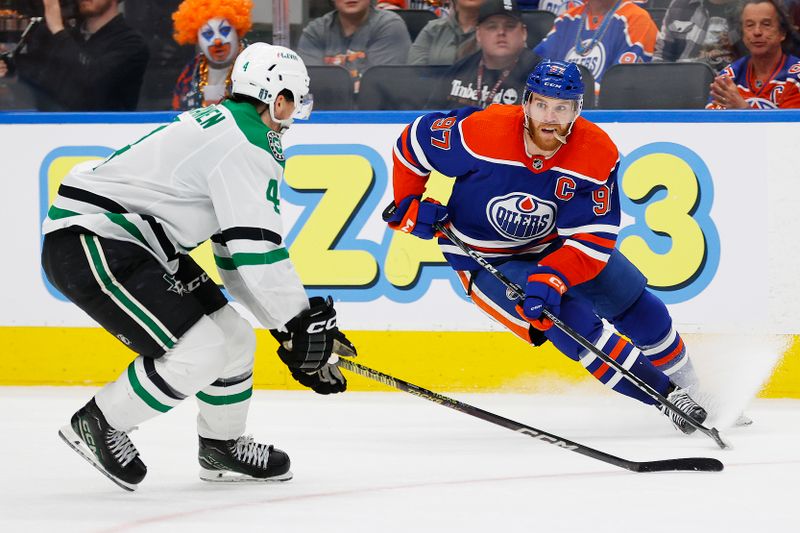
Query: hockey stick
(692, 464)
(577, 337)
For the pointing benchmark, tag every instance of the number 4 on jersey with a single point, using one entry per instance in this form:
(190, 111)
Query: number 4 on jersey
(272, 195)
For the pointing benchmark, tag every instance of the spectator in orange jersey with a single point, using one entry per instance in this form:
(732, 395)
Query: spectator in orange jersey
(767, 78)
(601, 33)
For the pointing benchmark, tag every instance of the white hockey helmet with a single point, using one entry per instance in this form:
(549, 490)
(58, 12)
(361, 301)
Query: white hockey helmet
(262, 71)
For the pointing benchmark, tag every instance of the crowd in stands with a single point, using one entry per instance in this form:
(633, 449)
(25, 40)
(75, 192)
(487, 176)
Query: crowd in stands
(106, 55)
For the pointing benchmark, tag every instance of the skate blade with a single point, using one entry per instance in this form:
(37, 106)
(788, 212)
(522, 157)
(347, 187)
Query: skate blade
(226, 476)
(72, 439)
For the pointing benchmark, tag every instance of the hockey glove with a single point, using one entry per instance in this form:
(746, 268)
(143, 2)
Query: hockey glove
(417, 217)
(328, 379)
(543, 291)
(308, 342)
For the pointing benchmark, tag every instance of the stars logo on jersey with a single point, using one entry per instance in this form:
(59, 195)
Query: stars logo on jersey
(521, 216)
(275, 146)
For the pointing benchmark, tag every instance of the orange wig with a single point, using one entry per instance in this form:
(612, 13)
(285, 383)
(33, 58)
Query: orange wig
(193, 14)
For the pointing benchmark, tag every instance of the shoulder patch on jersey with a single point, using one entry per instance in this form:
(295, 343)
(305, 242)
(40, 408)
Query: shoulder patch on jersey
(251, 126)
(794, 69)
(275, 146)
(589, 152)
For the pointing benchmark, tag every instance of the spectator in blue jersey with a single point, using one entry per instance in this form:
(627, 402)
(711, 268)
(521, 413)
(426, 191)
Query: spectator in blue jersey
(535, 193)
(445, 40)
(355, 35)
(769, 76)
(700, 30)
(601, 33)
(496, 73)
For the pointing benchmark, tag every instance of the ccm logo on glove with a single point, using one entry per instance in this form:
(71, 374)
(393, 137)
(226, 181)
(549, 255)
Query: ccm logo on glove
(322, 325)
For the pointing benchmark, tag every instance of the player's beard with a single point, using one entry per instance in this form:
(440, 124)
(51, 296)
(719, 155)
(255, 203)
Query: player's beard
(547, 141)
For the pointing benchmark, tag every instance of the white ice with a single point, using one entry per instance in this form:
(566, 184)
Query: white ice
(391, 462)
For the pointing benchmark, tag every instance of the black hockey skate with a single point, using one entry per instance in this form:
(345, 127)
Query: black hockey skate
(108, 449)
(242, 459)
(681, 399)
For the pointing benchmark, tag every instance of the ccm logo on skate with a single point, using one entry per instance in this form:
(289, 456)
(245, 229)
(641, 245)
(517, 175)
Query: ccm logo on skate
(322, 325)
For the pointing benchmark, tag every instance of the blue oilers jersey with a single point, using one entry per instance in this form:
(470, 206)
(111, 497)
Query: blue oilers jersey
(624, 35)
(562, 211)
(780, 91)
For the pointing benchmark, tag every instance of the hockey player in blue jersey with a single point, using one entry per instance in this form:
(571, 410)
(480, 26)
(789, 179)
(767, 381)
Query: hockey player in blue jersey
(535, 192)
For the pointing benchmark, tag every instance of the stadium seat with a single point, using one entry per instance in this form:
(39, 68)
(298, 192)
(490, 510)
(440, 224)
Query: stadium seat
(332, 87)
(588, 87)
(399, 87)
(539, 23)
(656, 86)
(262, 32)
(657, 14)
(415, 19)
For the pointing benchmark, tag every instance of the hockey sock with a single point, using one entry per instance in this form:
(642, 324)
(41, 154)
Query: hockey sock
(223, 407)
(631, 359)
(648, 324)
(149, 387)
(224, 404)
(669, 356)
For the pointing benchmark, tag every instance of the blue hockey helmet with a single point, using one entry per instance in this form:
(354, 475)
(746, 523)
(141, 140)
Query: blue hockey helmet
(555, 79)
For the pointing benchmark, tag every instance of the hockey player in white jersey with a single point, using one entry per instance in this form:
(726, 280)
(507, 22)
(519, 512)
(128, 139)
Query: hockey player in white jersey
(116, 243)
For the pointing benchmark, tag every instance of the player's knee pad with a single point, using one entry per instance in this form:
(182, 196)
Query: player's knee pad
(196, 360)
(646, 322)
(614, 289)
(240, 340)
(578, 315)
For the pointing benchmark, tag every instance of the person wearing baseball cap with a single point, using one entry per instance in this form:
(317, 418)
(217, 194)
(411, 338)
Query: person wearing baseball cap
(496, 74)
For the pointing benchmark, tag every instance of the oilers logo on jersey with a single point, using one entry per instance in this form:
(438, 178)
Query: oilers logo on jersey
(521, 216)
(594, 60)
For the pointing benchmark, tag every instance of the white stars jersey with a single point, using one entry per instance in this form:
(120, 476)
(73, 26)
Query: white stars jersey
(213, 173)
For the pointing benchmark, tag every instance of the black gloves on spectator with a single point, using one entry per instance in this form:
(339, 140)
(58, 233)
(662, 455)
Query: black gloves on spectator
(308, 344)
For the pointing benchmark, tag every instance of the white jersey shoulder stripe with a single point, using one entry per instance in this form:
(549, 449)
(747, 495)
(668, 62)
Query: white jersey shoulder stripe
(582, 176)
(590, 228)
(594, 254)
(416, 148)
(407, 164)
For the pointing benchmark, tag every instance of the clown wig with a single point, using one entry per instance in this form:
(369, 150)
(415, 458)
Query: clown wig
(193, 14)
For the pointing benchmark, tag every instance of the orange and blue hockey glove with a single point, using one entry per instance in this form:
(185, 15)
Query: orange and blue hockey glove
(417, 217)
(543, 290)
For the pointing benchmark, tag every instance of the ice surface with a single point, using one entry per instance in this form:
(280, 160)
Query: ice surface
(390, 462)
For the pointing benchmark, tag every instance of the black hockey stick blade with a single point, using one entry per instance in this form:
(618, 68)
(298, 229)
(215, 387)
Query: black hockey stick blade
(695, 464)
(516, 290)
(688, 464)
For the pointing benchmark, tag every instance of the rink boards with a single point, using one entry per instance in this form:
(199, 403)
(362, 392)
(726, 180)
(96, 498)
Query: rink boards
(708, 201)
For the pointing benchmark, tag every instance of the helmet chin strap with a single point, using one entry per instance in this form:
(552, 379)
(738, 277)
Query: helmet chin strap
(559, 138)
(283, 123)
